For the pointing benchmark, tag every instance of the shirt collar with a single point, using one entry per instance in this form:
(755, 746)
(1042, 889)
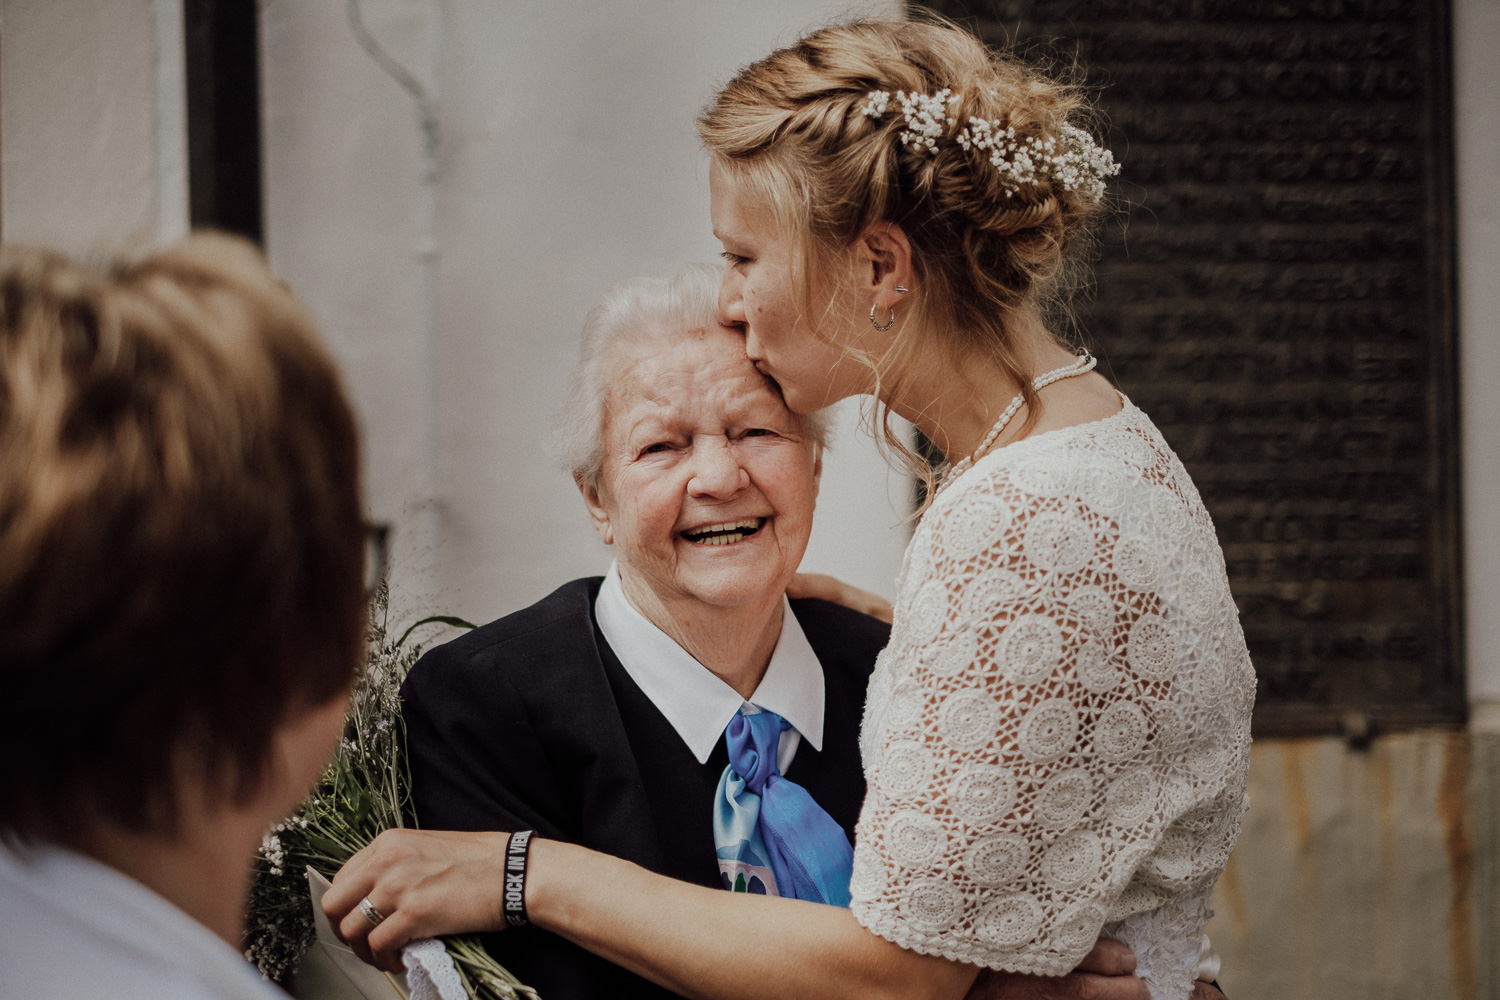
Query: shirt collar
(698, 704)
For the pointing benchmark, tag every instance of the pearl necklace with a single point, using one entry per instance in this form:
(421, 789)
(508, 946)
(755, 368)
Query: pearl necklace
(1084, 363)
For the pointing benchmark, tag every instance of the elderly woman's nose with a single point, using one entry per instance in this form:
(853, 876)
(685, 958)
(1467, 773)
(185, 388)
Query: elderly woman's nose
(716, 471)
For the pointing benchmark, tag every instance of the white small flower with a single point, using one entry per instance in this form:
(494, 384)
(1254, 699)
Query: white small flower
(1073, 160)
(876, 103)
(926, 118)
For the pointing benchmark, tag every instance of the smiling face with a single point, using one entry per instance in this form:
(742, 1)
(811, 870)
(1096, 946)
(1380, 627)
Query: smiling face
(757, 297)
(708, 481)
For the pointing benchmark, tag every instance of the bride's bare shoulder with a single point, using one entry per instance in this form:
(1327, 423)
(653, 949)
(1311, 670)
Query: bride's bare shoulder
(1079, 400)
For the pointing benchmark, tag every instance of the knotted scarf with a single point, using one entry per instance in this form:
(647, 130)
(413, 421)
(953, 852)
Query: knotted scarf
(772, 838)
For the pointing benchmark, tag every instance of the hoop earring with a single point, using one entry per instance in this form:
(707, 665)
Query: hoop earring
(888, 323)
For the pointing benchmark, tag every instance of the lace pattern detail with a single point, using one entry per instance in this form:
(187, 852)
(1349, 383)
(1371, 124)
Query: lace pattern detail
(430, 972)
(1057, 736)
(1168, 968)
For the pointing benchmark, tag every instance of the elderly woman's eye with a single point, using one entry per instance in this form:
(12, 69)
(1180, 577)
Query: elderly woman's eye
(759, 432)
(652, 449)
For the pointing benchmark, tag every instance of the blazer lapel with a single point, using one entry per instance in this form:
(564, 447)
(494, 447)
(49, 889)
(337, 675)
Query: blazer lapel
(578, 719)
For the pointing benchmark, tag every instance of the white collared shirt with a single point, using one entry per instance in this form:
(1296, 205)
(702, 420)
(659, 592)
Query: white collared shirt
(695, 701)
(73, 927)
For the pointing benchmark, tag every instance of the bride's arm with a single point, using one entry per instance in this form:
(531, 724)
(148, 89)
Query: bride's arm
(708, 943)
(697, 941)
(828, 588)
(694, 940)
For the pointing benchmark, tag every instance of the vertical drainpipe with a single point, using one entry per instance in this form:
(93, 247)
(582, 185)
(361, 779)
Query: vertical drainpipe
(431, 515)
(428, 515)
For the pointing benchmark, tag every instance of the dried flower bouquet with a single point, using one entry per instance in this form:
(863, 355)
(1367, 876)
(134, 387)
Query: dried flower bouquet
(366, 789)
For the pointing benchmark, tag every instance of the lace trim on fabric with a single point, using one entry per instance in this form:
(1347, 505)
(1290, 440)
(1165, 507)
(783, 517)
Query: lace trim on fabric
(1168, 969)
(430, 973)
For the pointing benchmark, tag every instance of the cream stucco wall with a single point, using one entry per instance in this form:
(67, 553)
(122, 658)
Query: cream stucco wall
(93, 146)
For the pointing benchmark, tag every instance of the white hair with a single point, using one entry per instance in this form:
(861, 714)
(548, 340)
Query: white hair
(632, 310)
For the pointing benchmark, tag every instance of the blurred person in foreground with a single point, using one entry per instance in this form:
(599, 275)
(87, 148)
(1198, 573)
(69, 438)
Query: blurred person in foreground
(182, 608)
(680, 713)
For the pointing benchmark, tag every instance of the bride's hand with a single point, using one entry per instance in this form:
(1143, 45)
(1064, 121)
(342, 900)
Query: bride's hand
(827, 588)
(1104, 974)
(423, 883)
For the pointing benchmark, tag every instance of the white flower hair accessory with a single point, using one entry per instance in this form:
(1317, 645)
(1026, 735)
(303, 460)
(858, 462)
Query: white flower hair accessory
(876, 103)
(926, 118)
(1072, 160)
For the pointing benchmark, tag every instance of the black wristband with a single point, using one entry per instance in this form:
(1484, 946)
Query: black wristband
(517, 853)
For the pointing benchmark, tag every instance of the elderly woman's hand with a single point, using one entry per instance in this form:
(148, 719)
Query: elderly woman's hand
(424, 883)
(827, 588)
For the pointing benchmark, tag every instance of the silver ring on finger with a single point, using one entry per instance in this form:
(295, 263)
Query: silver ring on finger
(373, 915)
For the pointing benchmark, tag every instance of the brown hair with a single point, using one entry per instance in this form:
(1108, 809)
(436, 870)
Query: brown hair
(181, 532)
(791, 130)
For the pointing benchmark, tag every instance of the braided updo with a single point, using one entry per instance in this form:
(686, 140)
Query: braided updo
(794, 130)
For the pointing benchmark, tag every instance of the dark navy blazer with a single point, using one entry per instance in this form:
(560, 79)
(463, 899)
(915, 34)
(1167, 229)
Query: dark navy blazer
(530, 722)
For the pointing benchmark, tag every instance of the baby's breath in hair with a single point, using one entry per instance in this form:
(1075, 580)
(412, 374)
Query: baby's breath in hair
(876, 104)
(1072, 160)
(926, 118)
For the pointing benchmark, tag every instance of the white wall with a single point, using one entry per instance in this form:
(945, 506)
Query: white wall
(567, 162)
(93, 124)
(1476, 115)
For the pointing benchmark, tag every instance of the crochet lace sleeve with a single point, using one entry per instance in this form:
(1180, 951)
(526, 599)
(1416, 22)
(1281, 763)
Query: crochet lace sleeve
(1043, 751)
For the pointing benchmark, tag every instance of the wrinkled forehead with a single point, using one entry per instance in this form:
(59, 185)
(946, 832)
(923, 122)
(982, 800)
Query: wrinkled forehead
(697, 368)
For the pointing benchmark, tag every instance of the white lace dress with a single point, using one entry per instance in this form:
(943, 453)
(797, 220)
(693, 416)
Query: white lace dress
(1057, 736)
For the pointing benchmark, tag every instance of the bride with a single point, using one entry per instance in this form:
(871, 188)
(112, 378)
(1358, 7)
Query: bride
(1056, 738)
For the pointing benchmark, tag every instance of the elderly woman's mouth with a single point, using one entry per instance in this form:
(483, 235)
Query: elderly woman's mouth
(725, 532)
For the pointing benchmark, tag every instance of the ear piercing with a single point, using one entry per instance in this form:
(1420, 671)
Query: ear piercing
(901, 289)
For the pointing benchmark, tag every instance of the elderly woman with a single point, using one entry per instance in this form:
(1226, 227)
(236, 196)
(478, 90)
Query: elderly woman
(182, 609)
(680, 712)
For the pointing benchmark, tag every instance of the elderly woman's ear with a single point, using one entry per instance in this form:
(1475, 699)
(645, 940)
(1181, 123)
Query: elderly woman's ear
(597, 511)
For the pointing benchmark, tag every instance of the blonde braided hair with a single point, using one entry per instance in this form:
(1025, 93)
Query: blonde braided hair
(790, 130)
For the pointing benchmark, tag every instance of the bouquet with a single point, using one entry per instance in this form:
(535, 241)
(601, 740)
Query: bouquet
(366, 789)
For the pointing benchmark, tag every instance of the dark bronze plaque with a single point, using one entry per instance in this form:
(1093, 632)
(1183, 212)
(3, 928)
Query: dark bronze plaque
(1277, 295)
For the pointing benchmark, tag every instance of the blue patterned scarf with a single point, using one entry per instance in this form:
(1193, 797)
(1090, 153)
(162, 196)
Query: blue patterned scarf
(771, 836)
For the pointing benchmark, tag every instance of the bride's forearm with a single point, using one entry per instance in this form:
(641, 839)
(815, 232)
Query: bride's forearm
(700, 942)
(714, 945)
